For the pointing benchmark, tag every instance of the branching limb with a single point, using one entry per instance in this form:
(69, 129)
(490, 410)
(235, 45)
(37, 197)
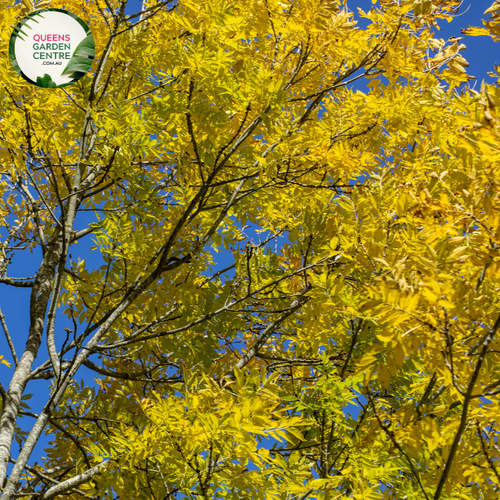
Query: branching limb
(191, 132)
(487, 455)
(71, 483)
(355, 333)
(465, 408)
(264, 336)
(125, 375)
(210, 315)
(392, 437)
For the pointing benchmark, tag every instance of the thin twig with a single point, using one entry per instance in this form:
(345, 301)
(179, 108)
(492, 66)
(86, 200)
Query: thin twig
(9, 338)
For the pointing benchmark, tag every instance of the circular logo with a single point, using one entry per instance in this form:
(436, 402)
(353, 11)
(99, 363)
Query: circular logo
(51, 48)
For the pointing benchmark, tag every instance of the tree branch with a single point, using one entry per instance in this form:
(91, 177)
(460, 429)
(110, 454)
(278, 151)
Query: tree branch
(73, 482)
(465, 408)
(9, 339)
(264, 336)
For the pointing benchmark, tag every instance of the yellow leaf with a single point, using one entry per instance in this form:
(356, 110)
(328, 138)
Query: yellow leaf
(495, 7)
(386, 335)
(472, 31)
(399, 355)
(456, 66)
(367, 375)
(391, 366)
(334, 243)
(4, 361)
(435, 440)
(383, 375)
(447, 304)
(366, 360)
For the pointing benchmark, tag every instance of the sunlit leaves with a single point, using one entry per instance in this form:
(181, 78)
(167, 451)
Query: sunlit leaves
(240, 157)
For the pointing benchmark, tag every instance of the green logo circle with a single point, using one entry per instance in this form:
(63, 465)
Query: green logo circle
(51, 48)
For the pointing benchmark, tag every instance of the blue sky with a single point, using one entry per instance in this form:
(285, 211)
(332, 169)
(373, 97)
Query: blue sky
(482, 53)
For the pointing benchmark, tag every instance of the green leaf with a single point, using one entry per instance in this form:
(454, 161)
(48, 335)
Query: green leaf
(46, 82)
(82, 58)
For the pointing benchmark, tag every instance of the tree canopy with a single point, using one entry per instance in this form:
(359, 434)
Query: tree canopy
(291, 290)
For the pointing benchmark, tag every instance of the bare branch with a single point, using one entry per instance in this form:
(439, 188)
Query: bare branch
(9, 338)
(17, 283)
(264, 336)
(74, 481)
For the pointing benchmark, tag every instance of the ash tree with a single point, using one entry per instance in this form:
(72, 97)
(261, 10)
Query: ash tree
(271, 234)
